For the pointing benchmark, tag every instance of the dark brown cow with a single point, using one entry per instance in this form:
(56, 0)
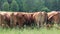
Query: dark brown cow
(25, 19)
(29, 18)
(21, 18)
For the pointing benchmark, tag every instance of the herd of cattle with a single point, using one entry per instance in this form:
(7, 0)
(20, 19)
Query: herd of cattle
(12, 19)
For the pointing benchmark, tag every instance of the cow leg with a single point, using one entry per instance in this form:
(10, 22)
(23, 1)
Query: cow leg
(38, 24)
(14, 23)
(20, 25)
(11, 22)
(0, 20)
(41, 24)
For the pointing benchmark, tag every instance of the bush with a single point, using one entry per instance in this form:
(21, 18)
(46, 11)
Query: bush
(5, 6)
(45, 9)
(14, 6)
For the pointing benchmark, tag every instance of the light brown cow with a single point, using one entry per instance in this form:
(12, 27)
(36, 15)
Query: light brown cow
(45, 18)
(40, 18)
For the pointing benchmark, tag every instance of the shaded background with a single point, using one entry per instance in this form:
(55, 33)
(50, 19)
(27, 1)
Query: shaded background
(30, 5)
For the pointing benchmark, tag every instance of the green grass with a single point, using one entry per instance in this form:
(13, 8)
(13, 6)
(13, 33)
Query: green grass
(29, 31)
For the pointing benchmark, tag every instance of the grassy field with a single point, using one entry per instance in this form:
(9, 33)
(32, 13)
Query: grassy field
(29, 31)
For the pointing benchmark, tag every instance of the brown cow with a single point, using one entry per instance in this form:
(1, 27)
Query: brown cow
(13, 19)
(53, 18)
(17, 18)
(5, 18)
(1, 19)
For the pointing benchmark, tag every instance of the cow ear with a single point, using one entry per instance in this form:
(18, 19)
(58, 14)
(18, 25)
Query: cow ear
(53, 15)
(50, 16)
(31, 14)
(12, 14)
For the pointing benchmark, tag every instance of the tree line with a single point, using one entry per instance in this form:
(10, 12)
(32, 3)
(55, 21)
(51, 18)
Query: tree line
(29, 5)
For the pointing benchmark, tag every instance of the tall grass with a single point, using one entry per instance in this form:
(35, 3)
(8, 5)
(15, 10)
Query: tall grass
(29, 31)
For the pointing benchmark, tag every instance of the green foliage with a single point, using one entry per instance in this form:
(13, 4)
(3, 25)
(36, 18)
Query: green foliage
(31, 5)
(45, 9)
(14, 6)
(19, 2)
(5, 6)
(1, 3)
